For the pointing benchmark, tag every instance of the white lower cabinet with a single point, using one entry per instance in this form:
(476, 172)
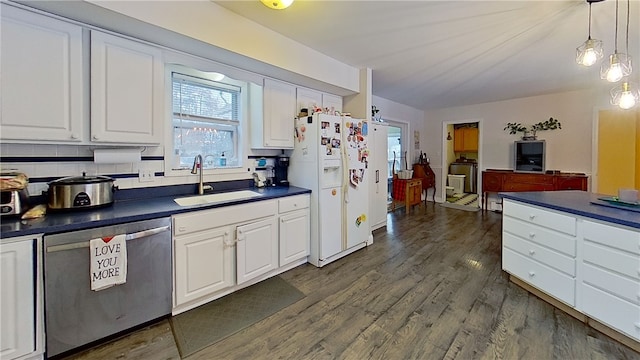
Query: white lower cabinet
(20, 299)
(256, 249)
(294, 228)
(203, 263)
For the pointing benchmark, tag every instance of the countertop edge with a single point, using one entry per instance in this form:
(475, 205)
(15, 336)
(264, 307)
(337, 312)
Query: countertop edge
(123, 212)
(577, 203)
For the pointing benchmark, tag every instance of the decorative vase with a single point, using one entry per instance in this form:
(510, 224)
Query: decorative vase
(529, 135)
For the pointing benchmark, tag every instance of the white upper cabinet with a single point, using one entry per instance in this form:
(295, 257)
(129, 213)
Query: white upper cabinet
(126, 91)
(42, 78)
(332, 102)
(307, 98)
(275, 131)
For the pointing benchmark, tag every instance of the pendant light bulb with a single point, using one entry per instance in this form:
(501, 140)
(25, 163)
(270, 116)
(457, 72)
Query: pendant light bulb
(589, 52)
(277, 4)
(618, 66)
(625, 96)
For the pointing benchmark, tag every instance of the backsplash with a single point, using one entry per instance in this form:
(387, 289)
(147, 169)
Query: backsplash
(43, 163)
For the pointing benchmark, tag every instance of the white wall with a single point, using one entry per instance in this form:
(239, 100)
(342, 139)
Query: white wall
(568, 149)
(391, 110)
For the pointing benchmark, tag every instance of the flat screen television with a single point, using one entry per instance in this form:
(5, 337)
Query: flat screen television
(529, 156)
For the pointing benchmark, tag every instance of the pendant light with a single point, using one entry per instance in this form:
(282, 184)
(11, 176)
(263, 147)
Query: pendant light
(277, 4)
(590, 51)
(627, 95)
(619, 64)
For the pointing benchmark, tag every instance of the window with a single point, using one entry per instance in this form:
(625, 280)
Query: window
(206, 121)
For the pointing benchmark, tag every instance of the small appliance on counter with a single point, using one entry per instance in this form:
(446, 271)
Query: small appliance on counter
(81, 192)
(281, 169)
(14, 196)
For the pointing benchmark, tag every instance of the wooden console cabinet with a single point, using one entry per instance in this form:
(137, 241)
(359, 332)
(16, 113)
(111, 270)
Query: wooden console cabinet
(509, 180)
(425, 173)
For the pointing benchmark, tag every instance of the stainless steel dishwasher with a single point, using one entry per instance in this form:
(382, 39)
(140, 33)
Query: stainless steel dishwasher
(75, 315)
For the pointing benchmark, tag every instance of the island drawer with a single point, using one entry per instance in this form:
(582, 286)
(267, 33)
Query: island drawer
(550, 281)
(536, 215)
(611, 310)
(292, 203)
(612, 236)
(540, 235)
(541, 254)
(623, 263)
(620, 286)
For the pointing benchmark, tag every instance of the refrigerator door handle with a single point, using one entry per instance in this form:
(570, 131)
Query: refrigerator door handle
(377, 176)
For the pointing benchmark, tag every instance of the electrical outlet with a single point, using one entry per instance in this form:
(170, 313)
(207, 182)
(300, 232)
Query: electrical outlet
(146, 176)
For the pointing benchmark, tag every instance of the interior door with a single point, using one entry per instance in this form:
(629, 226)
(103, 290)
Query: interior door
(618, 151)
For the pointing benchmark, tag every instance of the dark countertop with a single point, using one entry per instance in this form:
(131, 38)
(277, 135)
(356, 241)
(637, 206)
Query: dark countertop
(578, 203)
(122, 211)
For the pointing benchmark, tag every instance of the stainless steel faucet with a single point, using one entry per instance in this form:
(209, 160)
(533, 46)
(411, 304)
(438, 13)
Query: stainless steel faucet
(197, 163)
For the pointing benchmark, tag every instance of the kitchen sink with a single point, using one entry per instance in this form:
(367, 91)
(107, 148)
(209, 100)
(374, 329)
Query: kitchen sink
(214, 198)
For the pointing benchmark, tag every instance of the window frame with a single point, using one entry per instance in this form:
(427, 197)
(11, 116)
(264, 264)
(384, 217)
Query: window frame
(243, 112)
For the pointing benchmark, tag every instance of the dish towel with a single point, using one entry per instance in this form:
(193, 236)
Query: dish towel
(108, 261)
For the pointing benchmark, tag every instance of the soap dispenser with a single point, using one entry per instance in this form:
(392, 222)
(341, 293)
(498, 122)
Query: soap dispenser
(223, 160)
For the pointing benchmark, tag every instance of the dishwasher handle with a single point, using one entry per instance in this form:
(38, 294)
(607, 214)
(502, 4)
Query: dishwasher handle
(85, 244)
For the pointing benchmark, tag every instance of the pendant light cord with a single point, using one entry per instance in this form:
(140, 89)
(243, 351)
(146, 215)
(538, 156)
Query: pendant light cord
(627, 41)
(589, 20)
(616, 34)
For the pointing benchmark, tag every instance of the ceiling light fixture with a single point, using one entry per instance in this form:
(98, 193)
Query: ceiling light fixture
(627, 95)
(590, 51)
(277, 4)
(619, 64)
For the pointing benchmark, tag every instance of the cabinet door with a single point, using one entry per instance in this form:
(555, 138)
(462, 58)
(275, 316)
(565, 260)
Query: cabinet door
(126, 91)
(331, 102)
(458, 140)
(17, 299)
(203, 264)
(378, 179)
(294, 236)
(307, 98)
(470, 139)
(41, 71)
(257, 249)
(279, 114)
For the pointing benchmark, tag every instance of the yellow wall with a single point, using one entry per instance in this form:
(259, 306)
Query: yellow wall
(618, 151)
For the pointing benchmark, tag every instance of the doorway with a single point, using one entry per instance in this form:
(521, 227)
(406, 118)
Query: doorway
(396, 152)
(461, 162)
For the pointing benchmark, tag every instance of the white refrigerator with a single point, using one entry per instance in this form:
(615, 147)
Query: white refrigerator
(330, 157)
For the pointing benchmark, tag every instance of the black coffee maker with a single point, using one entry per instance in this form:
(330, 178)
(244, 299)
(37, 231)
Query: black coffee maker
(282, 166)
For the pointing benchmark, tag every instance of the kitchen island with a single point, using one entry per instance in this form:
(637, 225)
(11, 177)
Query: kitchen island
(582, 257)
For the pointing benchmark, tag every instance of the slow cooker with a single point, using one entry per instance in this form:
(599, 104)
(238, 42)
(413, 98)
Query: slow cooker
(81, 192)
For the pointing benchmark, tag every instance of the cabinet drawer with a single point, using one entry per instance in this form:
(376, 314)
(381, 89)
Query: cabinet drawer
(612, 236)
(515, 186)
(552, 282)
(612, 311)
(292, 203)
(540, 235)
(532, 180)
(617, 285)
(207, 219)
(535, 215)
(541, 254)
(612, 259)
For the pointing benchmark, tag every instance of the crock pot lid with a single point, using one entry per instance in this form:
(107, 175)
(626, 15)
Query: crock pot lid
(84, 179)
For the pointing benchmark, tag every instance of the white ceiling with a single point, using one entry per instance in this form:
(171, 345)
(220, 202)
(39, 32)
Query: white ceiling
(433, 54)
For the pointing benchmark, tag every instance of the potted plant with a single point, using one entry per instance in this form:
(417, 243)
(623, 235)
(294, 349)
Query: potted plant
(529, 133)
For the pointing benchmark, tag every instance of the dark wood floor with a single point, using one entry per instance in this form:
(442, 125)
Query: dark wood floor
(430, 287)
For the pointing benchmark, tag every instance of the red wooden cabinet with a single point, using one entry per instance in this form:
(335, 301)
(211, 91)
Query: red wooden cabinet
(508, 180)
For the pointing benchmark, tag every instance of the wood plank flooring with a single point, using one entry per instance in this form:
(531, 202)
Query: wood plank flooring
(430, 287)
